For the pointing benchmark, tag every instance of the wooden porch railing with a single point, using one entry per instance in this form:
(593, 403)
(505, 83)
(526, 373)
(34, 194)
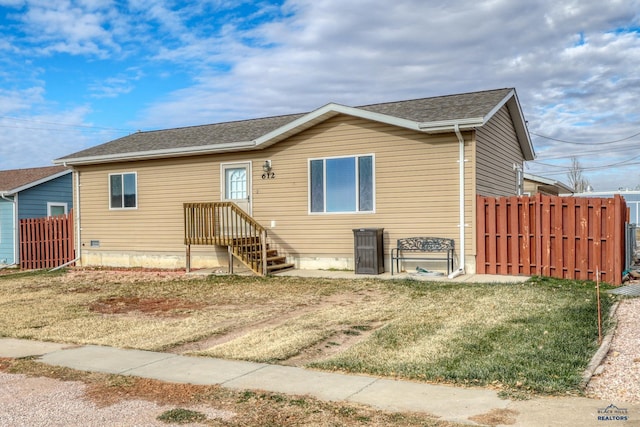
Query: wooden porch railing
(225, 224)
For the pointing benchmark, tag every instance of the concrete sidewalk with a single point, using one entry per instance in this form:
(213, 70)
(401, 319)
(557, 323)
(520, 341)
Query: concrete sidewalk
(449, 403)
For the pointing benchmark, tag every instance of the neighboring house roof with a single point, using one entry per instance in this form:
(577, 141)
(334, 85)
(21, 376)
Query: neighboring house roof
(430, 115)
(16, 180)
(547, 181)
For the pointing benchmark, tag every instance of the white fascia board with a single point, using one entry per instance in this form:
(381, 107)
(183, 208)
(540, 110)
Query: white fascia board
(501, 104)
(38, 182)
(154, 154)
(449, 125)
(327, 112)
(520, 125)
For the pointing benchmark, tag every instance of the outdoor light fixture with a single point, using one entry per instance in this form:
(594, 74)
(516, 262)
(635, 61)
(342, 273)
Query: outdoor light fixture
(267, 166)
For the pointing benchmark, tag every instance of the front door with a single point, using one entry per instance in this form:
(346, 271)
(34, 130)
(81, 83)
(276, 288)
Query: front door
(236, 184)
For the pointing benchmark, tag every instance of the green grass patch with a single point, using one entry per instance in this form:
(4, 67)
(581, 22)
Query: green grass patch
(536, 337)
(182, 416)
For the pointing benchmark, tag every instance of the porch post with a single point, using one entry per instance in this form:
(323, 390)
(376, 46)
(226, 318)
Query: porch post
(188, 258)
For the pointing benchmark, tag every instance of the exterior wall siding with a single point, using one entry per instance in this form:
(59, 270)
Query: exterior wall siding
(7, 233)
(33, 201)
(416, 193)
(497, 150)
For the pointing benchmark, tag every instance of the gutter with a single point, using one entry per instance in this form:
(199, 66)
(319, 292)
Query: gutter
(76, 210)
(3, 196)
(456, 126)
(452, 125)
(461, 160)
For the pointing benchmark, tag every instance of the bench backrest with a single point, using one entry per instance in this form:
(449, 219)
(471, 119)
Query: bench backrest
(425, 244)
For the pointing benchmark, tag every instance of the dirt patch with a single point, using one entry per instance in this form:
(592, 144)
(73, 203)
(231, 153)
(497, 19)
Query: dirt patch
(165, 307)
(496, 417)
(337, 343)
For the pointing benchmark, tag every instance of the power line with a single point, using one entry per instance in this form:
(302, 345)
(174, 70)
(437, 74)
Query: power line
(592, 167)
(61, 124)
(96, 130)
(584, 143)
(592, 152)
(629, 162)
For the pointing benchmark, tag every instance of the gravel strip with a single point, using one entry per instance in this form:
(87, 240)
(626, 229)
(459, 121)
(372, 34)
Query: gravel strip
(618, 378)
(29, 402)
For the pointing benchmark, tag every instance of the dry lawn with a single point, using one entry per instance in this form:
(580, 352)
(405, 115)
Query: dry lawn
(462, 333)
(275, 318)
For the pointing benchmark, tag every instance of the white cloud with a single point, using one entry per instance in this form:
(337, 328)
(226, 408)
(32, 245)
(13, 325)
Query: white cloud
(65, 27)
(575, 64)
(112, 87)
(64, 132)
(566, 60)
(19, 101)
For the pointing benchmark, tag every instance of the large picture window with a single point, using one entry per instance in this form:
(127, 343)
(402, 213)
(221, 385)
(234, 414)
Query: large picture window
(123, 192)
(341, 184)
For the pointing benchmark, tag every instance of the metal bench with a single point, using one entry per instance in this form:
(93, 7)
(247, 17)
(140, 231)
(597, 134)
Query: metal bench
(407, 247)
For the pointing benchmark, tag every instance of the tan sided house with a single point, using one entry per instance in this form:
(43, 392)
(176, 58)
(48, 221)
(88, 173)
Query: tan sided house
(409, 168)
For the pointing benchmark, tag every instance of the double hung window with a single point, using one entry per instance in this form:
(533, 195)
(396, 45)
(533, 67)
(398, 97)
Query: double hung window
(341, 184)
(123, 191)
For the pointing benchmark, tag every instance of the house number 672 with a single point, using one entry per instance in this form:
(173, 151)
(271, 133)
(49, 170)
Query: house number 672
(269, 175)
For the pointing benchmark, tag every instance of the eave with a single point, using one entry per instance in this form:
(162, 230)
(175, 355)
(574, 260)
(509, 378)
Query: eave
(157, 154)
(32, 184)
(520, 126)
(318, 116)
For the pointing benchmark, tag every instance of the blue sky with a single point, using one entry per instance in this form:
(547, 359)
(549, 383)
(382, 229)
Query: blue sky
(74, 74)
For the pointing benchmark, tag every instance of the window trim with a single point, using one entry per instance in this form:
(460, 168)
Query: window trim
(57, 204)
(356, 158)
(122, 174)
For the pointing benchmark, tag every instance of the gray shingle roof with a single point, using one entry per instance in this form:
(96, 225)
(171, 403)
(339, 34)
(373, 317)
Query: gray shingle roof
(193, 136)
(450, 107)
(13, 179)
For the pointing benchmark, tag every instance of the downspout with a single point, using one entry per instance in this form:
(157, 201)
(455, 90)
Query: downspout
(461, 161)
(76, 210)
(14, 211)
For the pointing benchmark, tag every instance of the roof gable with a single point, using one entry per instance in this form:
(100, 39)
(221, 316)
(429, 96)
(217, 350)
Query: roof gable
(548, 181)
(430, 115)
(16, 180)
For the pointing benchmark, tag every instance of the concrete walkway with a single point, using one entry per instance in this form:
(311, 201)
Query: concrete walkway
(449, 403)
(468, 278)
(349, 274)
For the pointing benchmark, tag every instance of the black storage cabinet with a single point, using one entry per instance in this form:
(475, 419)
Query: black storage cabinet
(368, 248)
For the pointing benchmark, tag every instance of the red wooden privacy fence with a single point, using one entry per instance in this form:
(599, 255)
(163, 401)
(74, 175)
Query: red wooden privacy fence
(46, 242)
(563, 237)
